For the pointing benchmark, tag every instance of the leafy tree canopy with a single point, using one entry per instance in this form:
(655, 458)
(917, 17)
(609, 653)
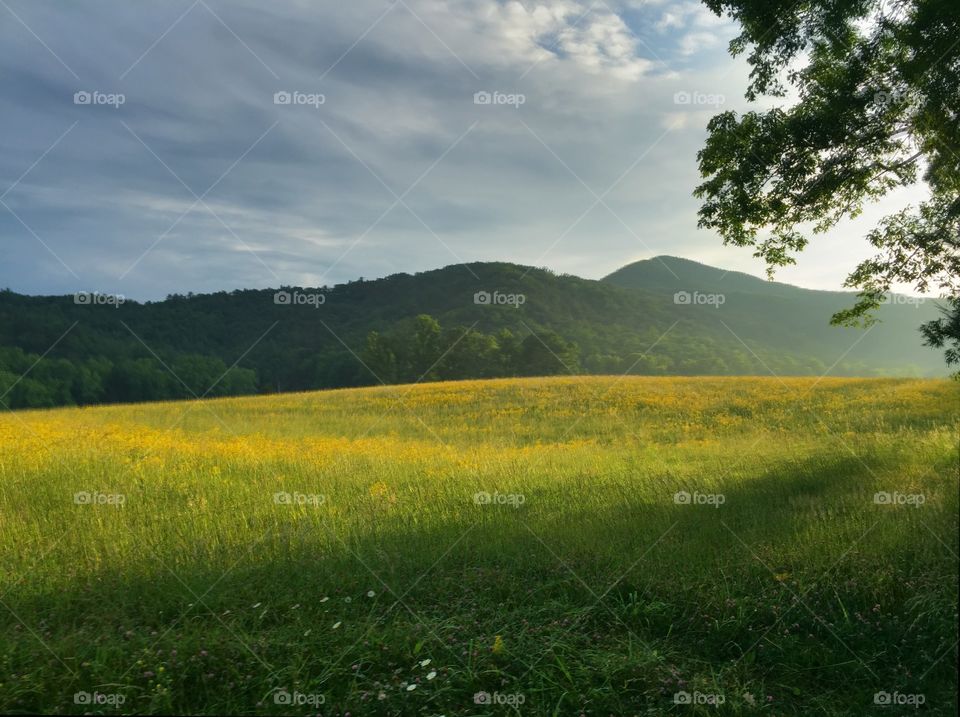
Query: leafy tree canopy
(877, 90)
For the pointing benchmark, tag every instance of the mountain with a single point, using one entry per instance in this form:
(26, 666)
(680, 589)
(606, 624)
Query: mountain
(792, 318)
(661, 316)
(671, 272)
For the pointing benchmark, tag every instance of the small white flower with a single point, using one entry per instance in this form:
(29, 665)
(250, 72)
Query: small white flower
(371, 594)
(424, 663)
(411, 687)
(324, 599)
(337, 624)
(431, 674)
(348, 599)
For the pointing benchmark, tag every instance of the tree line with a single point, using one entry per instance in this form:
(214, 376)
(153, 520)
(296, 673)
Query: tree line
(31, 381)
(414, 350)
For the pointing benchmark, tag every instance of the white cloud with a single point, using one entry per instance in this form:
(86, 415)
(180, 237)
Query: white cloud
(694, 42)
(588, 36)
(671, 20)
(689, 13)
(596, 94)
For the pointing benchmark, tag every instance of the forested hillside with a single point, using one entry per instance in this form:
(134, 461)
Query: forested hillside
(663, 316)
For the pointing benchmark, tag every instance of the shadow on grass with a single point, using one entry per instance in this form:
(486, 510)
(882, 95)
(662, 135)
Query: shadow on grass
(655, 595)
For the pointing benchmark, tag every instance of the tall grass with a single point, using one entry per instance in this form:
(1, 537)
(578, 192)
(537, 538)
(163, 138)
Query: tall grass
(531, 539)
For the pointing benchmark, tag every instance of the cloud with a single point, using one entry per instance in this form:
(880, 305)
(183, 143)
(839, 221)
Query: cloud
(694, 42)
(688, 14)
(200, 182)
(586, 36)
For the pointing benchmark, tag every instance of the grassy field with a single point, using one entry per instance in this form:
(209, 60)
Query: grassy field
(595, 546)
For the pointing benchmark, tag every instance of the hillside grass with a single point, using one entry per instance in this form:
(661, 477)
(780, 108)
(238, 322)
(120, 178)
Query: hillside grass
(387, 585)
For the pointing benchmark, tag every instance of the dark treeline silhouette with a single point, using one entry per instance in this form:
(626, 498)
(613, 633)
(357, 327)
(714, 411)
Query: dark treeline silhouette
(446, 324)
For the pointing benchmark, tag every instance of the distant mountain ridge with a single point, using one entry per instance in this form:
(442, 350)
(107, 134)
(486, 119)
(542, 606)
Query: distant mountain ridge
(668, 271)
(793, 317)
(658, 316)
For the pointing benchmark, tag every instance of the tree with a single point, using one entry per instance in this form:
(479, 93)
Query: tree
(878, 108)
(546, 353)
(472, 354)
(379, 358)
(140, 380)
(944, 331)
(508, 354)
(426, 349)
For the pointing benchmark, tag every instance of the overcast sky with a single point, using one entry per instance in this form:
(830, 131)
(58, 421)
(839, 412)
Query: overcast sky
(182, 169)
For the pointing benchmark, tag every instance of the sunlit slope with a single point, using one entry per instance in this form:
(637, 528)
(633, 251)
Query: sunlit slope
(777, 314)
(640, 530)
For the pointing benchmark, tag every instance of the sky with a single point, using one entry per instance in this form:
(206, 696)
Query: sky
(170, 146)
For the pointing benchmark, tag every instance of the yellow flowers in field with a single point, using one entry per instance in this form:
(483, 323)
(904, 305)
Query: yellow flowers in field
(446, 429)
(380, 491)
(300, 520)
(438, 444)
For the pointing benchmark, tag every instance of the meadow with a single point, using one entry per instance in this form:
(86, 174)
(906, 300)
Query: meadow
(562, 546)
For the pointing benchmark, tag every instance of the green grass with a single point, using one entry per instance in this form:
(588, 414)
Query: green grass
(589, 590)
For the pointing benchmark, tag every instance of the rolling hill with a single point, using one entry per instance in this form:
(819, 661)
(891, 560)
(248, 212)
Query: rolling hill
(661, 316)
(794, 318)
